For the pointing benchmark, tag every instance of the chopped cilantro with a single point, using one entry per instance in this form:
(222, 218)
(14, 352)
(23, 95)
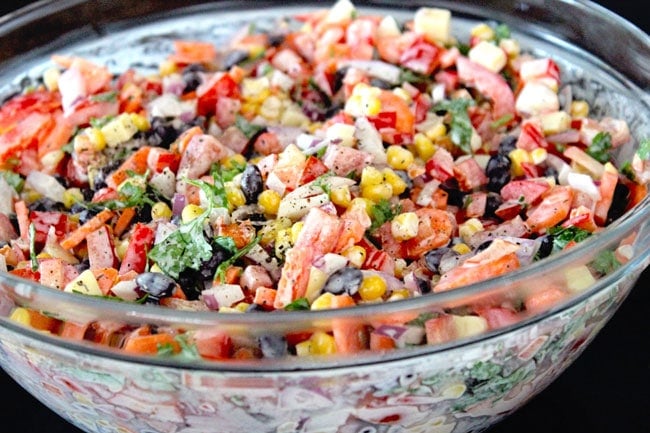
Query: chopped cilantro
(110, 96)
(563, 235)
(605, 263)
(383, 211)
(249, 129)
(235, 168)
(321, 182)
(600, 146)
(227, 243)
(14, 180)
(220, 274)
(32, 247)
(101, 121)
(644, 149)
(297, 305)
(501, 121)
(135, 192)
(216, 191)
(460, 126)
(409, 76)
(188, 351)
(502, 31)
(421, 319)
(627, 170)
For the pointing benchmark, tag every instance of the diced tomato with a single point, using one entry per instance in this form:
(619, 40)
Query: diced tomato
(441, 165)
(135, 258)
(469, 174)
(527, 190)
(490, 84)
(213, 343)
(313, 168)
(384, 120)
(158, 159)
(531, 136)
(448, 78)
(220, 85)
(554, 208)
(20, 106)
(27, 273)
(422, 57)
(43, 220)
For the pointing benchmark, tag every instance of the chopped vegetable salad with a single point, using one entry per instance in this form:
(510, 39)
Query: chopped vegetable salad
(339, 160)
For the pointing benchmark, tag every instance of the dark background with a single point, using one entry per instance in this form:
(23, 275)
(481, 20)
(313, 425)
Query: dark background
(607, 390)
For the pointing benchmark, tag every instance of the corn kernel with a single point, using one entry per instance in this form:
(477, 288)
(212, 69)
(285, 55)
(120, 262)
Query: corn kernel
(190, 212)
(436, 132)
(467, 229)
(282, 242)
(322, 343)
(511, 47)
(160, 210)
(20, 315)
(81, 143)
(517, 157)
(232, 161)
(120, 248)
(398, 294)
(51, 79)
(228, 310)
(579, 109)
(482, 32)
(538, 155)
(96, 138)
(400, 267)
(167, 67)
(269, 200)
(375, 193)
(295, 230)
(235, 195)
(372, 288)
(242, 306)
(399, 157)
(423, 146)
(356, 255)
(249, 109)
(72, 196)
(405, 226)
(371, 176)
(341, 196)
(255, 88)
(323, 302)
(140, 122)
(395, 181)
(304, 348)
(461, 248)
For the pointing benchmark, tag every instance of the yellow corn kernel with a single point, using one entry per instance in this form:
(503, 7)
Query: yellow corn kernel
(356, 255)
(372, 288)
(406, 96)
(304, 348)
(72, 196)
(482, 32)
(467, 229)
(140, 122)
(51, 79)
(255, 88)
(405, 226)
(156, 268)
(371, 176)
(322, 343)
(269, 201)
(538, 155)
(461, 248)
(511, 47)
(242, 307)
(399, 157)
(375, 193)
(579, 109)
(232, 161)
(96, 138)
(282, 242)
(20, 315)
(167, 67)
(323, 302)
(395, 181)
(82, 143)
(439, 130)
(190, 212)
(423, 146)
(341, 196)
(235, 195)
(517, 158)
(228, 310)
(249, 108)
(295, 230)
(160, 210)
(399, 294)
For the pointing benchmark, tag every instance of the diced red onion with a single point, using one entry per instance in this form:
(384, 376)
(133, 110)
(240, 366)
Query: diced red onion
(210, 300)
(178, 203)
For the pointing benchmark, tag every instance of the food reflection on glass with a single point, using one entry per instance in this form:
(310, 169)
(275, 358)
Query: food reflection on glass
(340, 160)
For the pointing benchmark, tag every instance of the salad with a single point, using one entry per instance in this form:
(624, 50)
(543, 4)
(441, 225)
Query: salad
(339, 160)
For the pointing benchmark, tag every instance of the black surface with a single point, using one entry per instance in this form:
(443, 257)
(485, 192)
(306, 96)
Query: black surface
(607, 390)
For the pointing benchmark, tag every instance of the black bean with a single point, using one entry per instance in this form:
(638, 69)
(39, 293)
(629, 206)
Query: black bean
(162, 133)
(498, 171)
(455, 196)
(423, 283)
(483, 246)
(545, 246)
(276, 39)
(339, 75)
(273, 346)
(252, 183)
(345, 280)
(433, 257)
(382, 84)
(507, 144)
(492, 203)
(619, 203)
(156, 284)
(45, 204)
(254, 308)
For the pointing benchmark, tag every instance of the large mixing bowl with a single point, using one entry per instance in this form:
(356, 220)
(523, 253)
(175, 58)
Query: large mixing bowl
(457, 386)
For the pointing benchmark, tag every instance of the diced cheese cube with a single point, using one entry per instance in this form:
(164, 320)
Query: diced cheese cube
(555, 122)
(536, 98)
(433, 23)
(488, 55)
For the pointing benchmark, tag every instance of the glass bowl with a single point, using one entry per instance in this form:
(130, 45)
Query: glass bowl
(458, 386)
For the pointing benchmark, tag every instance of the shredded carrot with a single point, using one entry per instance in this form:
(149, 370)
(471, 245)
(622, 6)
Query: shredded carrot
(136, 162)
(77, 236)
(265, 296)
(150, 344)
(123, 220)
(106, 278)
(22, 213)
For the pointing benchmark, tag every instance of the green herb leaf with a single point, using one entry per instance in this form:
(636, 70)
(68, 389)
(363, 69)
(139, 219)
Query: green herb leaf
(627, 170)
(14, 180)
(502, 31)
(188, 352)
(600, 146)
(382, 212)
(220, 274)
(227, 243)
(101, 121)
(228, 174)
(563, 235)
(297, 305)
(110, 96)
(321, 182)
(460, 130)
(501, 121)
(247, 128)
(644, 149)
(32, 247)
(410, 76)
(605, 263)
(422, 319)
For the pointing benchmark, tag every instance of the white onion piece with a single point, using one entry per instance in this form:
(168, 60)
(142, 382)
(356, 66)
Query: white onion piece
(376, 69)
(168, 105)
(225, 294)
(46, 185)
(370, 140)
(310, 144)
(584, 183)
